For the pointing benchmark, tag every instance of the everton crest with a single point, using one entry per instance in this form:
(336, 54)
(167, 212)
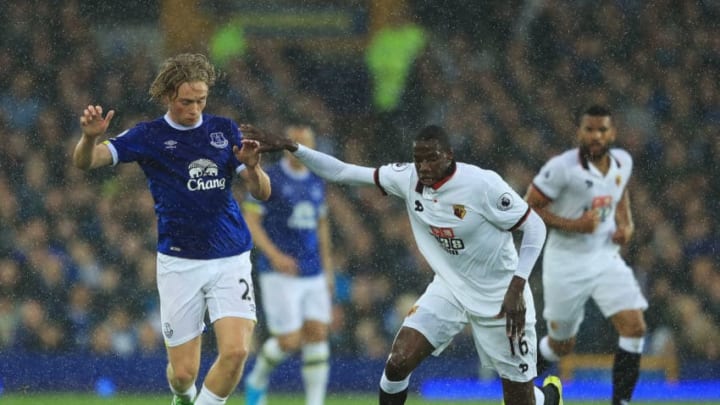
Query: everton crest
(218, 140)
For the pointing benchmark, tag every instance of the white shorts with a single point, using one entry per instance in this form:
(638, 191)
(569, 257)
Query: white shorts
(438, 316)
(609, 281)
(289, 301)
(189, 287)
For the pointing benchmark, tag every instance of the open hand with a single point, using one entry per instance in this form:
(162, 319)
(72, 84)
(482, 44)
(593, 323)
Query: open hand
(513, 309)
(248, 152)
(93, 123)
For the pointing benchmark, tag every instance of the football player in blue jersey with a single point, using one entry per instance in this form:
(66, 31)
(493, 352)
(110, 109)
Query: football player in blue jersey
(203, 253)
(292, 233)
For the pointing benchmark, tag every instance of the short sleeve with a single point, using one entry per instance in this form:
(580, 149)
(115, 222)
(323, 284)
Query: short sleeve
(129, 146)
(551, 179)
(503, 207)
(395, 178)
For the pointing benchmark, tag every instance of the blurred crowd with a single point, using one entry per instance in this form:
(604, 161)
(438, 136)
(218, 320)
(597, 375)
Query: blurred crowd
(77, 252)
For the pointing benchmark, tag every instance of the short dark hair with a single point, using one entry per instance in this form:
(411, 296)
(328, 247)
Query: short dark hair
(595, 110)
(435, 133)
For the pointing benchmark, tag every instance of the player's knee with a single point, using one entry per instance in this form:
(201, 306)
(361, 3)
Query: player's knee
(562, 347)
(635, 329)
(182, 377)
(234, 356)
(632, 324)
(289, 343)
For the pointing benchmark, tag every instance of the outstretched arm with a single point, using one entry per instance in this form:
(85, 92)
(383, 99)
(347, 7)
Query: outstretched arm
(333, 169)
(325, 166)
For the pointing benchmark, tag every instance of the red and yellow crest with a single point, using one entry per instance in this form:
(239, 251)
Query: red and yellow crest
(459, 211)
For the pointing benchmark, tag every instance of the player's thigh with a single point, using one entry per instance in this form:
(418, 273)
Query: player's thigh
(438, 316)
(234, 335)
(281, 297)
(618, 290)
(513, 359)
(231, 293)
(182, 302)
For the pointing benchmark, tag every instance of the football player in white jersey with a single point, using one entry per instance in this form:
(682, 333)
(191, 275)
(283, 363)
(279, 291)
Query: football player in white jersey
(203, 262)
(582, 196)
(462, 218)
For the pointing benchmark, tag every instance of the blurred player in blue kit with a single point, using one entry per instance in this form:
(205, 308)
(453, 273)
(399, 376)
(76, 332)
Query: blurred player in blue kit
(292, 232)
(203, 253)
(582, 196)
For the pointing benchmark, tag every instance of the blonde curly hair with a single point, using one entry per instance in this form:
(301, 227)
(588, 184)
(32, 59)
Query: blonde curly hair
(179, 69)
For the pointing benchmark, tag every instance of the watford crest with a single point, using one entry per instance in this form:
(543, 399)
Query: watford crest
(459, 211)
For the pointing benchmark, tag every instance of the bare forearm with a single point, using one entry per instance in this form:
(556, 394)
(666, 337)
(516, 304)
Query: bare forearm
(554, 221)
(83, 154)
(258, 183)
(325, 246)
(624, 213)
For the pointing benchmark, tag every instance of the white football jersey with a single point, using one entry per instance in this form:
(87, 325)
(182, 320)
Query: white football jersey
(462, 227)
(574, 186)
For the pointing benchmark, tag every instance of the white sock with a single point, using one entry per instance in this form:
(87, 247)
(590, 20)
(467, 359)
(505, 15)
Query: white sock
(631, 344)
(315, 371)
(188, 394)
(268, 358)
(208, 398)
(539, 396)
(393, 387)
(546, 351)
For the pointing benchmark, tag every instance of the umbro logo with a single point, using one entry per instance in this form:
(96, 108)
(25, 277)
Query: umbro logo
(588, 183)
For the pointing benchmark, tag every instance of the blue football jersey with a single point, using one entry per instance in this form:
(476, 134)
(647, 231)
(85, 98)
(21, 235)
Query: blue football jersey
(290, 217)
(189, 173)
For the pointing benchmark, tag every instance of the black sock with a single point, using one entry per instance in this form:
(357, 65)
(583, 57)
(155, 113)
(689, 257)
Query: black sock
(393, 399)
(625, 375)
(552, 396)
(542, 364)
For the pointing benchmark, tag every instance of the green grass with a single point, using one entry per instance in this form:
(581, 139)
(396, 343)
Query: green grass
(292, 399)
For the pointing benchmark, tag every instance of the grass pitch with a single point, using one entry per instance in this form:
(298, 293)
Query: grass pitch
(237, 399)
